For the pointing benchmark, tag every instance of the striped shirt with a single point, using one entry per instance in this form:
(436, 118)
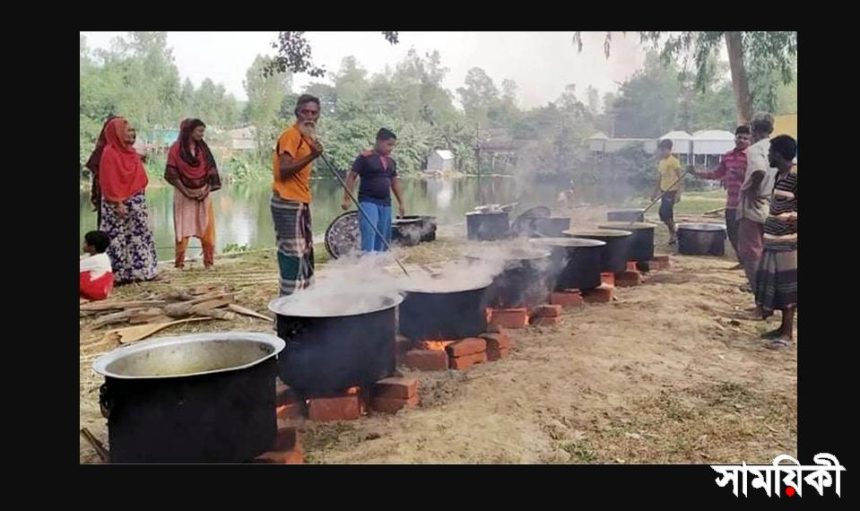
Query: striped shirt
(731, 171)
(778, 231)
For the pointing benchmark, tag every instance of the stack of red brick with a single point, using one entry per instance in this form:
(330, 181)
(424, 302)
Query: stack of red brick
(460, 354)
(574, 297)
(546, 315)
(386, 396)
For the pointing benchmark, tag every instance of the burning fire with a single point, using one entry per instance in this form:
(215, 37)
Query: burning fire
(434, 345)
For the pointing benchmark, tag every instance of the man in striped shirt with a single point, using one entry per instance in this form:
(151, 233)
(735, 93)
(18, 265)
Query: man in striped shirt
(776, 279)
(731, 171)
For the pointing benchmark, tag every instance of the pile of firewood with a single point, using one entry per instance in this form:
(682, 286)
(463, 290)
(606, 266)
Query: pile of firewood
(213, 302)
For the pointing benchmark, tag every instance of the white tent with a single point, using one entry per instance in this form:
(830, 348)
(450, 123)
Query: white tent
(682, 142)
(713, 142)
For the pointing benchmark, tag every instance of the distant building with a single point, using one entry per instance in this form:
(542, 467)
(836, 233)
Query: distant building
(710, 145)
(242, 139)
(440, 160)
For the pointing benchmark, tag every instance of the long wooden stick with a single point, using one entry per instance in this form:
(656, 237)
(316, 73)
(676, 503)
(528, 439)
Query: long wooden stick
(96, 445)
(106, 306)
(247, 312)
(664, 193)
(357, 205)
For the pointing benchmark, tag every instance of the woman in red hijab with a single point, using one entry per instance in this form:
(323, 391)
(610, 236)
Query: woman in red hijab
(192, 171)
(124, 216)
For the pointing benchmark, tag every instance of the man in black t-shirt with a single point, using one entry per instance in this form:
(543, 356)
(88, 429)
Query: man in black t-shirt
(377, 172)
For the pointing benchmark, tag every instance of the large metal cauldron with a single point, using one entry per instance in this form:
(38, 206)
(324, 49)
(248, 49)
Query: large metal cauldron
(444, 310)
(642, 249)
(577, 262)
(413, 229)
(406, 231)
(702, 239)
(336, 342)
(625, 215)
(203, 398)
(616, 253)
(489, 226)
(523, 281)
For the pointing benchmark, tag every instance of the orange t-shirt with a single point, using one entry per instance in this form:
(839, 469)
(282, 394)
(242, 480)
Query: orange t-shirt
(298, 186)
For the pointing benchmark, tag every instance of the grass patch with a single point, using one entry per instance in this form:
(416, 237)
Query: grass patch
(581, 451)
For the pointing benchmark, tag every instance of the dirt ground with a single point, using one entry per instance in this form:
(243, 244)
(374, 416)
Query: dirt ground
(668, 373)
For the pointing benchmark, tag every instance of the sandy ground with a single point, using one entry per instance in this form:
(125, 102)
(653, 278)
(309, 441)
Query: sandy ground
(668, 373)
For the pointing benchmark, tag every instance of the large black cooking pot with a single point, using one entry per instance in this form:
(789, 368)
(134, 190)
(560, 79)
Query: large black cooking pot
(335, 342)
(203, 398)
(444, 310)
(625, 215)
(702, 239)
(616, 253)
(642, 248)
(523, 281)
(428, 226)
(412, 229)
(406, 231)
(577, 262)
(487, 226)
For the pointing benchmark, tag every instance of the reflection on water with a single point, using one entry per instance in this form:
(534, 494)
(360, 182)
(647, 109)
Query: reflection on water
(242, 211)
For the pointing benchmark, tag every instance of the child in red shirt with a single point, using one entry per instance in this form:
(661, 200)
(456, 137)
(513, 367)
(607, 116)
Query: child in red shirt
(96, 272)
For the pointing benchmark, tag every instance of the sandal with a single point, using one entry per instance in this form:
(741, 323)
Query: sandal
(778, 344)
(773, 334)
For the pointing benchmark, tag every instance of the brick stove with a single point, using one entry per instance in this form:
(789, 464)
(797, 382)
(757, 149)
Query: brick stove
(459, 354)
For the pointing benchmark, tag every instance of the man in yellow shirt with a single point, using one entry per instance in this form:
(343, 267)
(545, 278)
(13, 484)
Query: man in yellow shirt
(294, 153)
(669, 186)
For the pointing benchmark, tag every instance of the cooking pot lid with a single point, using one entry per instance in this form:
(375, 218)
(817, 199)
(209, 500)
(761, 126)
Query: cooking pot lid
(702, 227)
(597, 233)
(488, 213)
(407, 221)
(629, 210)
(508, 254)
(314, 304)
(569, 242)
(423, 283)
(342, 235)
(627, 226)
(536, 212)
(270, 346)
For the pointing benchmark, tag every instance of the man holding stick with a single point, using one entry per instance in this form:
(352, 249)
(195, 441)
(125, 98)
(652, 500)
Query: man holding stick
(295, 151)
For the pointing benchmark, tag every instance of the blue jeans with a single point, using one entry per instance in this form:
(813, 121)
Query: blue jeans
(379, 216)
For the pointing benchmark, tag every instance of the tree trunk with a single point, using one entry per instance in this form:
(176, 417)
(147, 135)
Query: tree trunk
(740, 83)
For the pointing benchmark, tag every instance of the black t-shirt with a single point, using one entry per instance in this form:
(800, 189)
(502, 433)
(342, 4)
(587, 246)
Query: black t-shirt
(376, 173)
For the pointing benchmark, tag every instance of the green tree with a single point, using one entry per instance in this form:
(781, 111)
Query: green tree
(647, 103)
(750, 53)
(478, 96)
(265, 94)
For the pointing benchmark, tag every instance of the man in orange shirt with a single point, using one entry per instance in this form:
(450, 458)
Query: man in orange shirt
(294, 153)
